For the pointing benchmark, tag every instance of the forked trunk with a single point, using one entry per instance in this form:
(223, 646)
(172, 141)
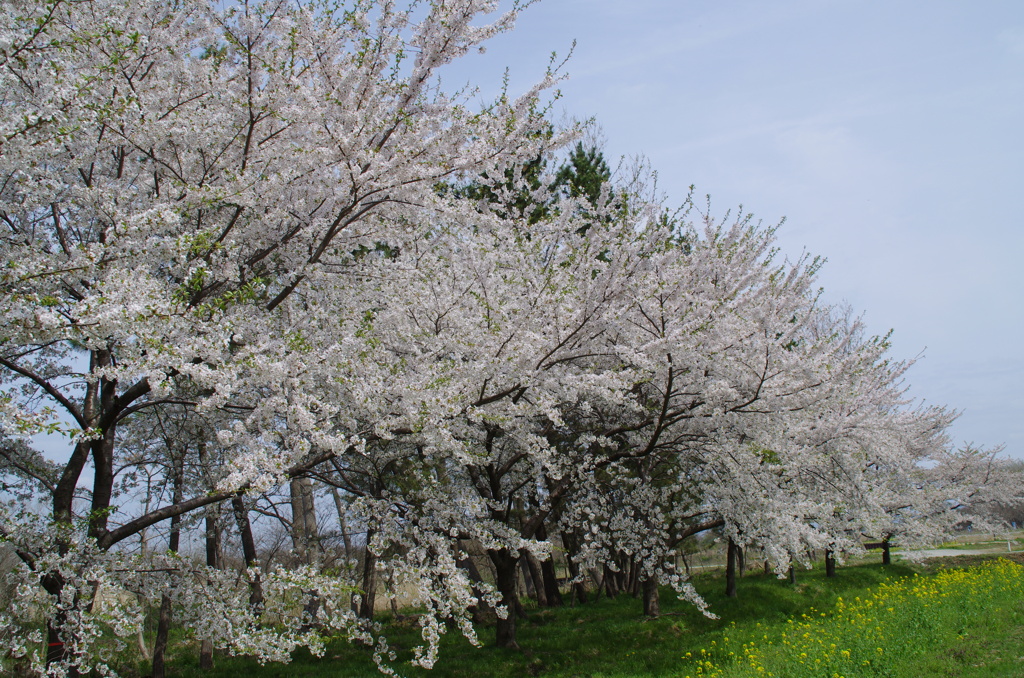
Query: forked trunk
(99, 404)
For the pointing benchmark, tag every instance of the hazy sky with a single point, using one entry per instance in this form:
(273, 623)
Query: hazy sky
(888, 134)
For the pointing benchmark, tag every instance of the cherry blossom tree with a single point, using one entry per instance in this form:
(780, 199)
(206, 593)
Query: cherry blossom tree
(186, 189)
(950, 488)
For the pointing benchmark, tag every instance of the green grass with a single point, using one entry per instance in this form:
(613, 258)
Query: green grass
(603, 638)
(957, 622)
(611, 639)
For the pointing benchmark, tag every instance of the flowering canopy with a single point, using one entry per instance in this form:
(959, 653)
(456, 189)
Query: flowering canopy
(252, 213)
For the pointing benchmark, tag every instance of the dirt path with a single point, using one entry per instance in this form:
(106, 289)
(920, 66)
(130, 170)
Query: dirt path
(944, 553)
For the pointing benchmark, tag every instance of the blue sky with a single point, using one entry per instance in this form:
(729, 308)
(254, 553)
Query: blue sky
(888, 134)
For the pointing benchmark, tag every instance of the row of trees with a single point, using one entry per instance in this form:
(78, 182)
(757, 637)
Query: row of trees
(255, 251)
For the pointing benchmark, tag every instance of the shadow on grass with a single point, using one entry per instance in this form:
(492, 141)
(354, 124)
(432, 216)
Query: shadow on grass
(603, 638)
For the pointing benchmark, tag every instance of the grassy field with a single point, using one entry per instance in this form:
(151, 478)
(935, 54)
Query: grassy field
(869, 621)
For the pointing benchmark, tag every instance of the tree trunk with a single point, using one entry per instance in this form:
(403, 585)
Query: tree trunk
(304, 528)
(212, 560)
(621, 575)
(534, 577)
(56, 650)
(248, 553)
(792, 574)
(886, 555)
(579, 588)
(366, 606)
(611, 588)
(597, 576)
(212, 540)
(306, 539)
(339, 506)
(741, 561)
(652, 603)
(163, 625)
(100, 403)
(505, 568)
(550, 577)
(206, 655)
(731, 560)
(548, 574)
(309, 513)
(830, 563)
(310, 610)
(467, 563)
